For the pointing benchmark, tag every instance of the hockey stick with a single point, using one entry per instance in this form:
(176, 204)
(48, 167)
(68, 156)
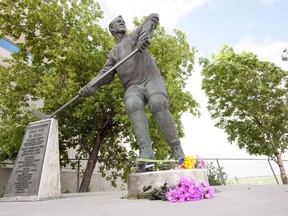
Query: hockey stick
(47, 116)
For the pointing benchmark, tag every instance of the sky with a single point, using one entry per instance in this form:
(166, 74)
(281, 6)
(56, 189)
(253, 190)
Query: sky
(258, 26)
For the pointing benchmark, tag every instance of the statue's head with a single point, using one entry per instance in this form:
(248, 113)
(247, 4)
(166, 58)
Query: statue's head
(117, 25)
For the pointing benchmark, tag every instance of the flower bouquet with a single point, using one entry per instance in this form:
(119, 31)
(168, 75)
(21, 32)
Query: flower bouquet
(187, 190)
(191, 162)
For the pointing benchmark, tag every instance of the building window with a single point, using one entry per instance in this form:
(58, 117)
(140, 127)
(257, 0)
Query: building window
(8, 45)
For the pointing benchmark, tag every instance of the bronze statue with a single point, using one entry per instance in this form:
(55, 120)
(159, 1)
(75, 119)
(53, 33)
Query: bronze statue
(143, 85)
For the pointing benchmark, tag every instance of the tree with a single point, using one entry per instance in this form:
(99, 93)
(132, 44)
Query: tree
(247, 98)
(64, 48)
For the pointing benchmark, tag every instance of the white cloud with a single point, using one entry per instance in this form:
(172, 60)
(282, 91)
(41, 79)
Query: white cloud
(170, 11)
(268, 50)
(269, 1)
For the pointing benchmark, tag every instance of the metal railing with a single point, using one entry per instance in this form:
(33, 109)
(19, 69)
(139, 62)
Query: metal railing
(252, 170)
(240, 168)
(266, 167)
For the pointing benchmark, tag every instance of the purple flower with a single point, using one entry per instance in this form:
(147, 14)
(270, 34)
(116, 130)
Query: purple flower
(207, 191)
(172, 195)
(184, 181)
(186, 189)
(210, 193)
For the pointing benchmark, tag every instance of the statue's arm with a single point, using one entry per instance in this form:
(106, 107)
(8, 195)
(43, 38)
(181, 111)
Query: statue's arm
(109, 77)
(96, 82)
(150, 23)
(147, 29)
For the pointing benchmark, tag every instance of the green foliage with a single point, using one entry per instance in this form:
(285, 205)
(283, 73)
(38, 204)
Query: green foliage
(247, 97)
(63, 49)
(215, 175)
(150, 193)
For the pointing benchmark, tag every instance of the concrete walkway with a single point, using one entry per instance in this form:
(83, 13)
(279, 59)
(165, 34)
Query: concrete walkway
(245, 200)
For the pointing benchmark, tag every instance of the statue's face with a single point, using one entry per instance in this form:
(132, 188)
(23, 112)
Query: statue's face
(119, 25)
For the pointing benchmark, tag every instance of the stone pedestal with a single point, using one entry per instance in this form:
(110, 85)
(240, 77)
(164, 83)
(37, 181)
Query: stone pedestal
(36, 173)
(137, 181)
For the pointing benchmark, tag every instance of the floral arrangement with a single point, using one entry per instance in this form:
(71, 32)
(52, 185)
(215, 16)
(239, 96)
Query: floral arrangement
(187, 190)
(191, 162)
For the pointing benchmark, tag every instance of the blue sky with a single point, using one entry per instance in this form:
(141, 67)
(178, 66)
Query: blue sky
(228, 22)
(258, 26)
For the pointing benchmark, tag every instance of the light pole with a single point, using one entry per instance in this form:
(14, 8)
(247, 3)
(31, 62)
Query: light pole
(285, 55)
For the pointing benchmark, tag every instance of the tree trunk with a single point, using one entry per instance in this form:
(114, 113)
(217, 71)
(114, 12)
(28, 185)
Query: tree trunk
(283, 174)
(93, 156)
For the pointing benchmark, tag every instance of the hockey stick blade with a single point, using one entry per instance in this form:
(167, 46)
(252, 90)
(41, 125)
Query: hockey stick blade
(41, 115)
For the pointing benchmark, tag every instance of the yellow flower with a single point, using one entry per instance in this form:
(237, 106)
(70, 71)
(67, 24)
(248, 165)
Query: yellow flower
(189, 162)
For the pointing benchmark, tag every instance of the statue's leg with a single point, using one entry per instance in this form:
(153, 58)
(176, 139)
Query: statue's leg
(159, 106)
(135, 108)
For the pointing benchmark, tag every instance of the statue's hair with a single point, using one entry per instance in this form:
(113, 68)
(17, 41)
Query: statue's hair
(112, 23)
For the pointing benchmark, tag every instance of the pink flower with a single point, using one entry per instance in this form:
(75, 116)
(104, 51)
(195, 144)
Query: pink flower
(210, 193)
(172, 195)
(187, 190)
(200, 163)
(206, 190)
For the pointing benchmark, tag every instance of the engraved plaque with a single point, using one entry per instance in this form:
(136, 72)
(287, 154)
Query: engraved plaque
(25, 177)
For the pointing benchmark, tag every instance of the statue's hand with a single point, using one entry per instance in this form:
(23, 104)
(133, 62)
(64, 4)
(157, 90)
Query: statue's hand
(87, 90)
(144, 41)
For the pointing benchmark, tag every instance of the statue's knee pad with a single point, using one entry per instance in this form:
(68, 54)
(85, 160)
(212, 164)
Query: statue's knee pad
(134, 103)
(158, 102)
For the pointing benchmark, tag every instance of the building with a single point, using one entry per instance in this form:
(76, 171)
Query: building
(7, 47)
